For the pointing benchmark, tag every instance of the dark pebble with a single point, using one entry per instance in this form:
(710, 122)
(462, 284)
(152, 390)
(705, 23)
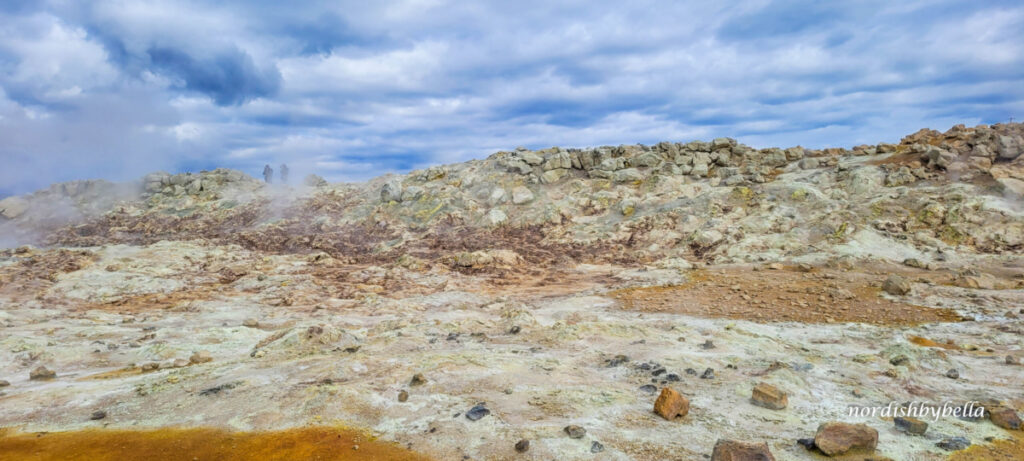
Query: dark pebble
(522, 446)
(708, 374)
(477, 412)
(807, 443)
(649, 388)
(672, 377)
(616, 361)
(596, 447)
(691, 372)
(98, 414)
(953, 443)
(515, 330)
(574, 431)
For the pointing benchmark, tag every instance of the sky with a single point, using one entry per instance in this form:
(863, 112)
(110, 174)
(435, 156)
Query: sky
(350, 90)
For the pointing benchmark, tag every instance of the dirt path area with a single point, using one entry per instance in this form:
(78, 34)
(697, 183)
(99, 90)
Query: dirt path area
(786, 295)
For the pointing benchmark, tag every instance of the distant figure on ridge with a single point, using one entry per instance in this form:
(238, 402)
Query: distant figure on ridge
(284, 174)
(268, 174)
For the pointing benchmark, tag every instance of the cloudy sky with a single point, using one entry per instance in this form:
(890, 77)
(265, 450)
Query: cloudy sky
(350, 90)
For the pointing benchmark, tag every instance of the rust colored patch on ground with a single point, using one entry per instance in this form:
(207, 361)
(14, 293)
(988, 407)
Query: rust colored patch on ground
(781, 296)
(1000, 450)
(925, 342)
(313, 443)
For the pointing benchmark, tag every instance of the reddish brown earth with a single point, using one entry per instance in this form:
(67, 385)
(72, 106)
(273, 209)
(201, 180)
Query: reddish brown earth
(782, 296)
(312, 443)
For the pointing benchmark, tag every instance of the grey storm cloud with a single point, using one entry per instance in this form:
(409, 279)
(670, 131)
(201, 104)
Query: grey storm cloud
(229, 78)
(350, 90)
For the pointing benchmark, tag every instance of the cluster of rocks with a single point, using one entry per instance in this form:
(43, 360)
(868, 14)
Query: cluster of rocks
(177, 185)
(958, 150)
(723, 158)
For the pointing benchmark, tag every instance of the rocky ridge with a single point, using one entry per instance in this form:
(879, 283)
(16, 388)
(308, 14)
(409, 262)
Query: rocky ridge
(674, 301)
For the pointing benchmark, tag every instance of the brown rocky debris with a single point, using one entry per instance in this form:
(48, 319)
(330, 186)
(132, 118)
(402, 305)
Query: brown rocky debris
(1004, 417)
(41, 372)
(767, 396)
(836, 438)
(671, 404)
(200, 357)
(731, 450)
(910, 425)
(896, 285)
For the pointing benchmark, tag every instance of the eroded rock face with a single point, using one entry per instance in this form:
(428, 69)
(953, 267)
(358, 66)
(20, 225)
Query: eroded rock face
(836, 438)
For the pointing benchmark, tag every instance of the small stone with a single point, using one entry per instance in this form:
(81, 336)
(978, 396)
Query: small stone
(98, 415)
(708, 374)
(731, 450)
(835, 438)
(574, 431)
(151, 366)
(251, 323)
(953, 374)
(691, 372)
(523, 446)
(899, 360)
(417, 379)
(1004, 417)
(804, 267)
(671, 404)
(896, 285)
(910, 425)
(616, 361)
(770, 397)
(200, 357)
(180, 362)
(1011, 360)
(42, 372)
(708, 345)
(649, 388)
(596, 447)
(672, 377)
(806, 443)
(403, 396)
(515, 331)
(477, 412)
(953, 443)
(5, 383)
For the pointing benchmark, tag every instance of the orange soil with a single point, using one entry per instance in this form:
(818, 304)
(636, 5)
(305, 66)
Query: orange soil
(1000, 450)
(925, 342)
(312, 443)
(781, 296)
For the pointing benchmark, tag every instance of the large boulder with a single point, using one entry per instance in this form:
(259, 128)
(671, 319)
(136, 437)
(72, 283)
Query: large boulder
(522, 195)
(1013, 188)
(731, 450)
(835, 438)
(628, 175)
(391, 191)
(1009, 147)
(671, 404)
